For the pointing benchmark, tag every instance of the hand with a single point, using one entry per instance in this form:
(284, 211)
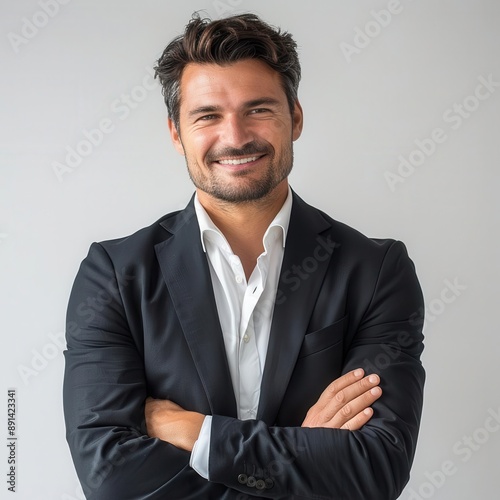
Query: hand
(169, 422)
(345, 403)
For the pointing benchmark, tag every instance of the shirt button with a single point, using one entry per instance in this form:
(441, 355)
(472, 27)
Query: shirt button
(246, 338)
(239, 279)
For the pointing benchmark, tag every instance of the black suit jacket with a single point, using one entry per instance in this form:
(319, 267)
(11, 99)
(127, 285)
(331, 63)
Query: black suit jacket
(142, 321)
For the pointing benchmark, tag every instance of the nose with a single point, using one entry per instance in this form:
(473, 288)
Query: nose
(235, 132)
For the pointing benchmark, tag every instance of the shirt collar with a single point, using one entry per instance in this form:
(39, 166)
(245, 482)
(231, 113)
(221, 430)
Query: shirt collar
(209, 230)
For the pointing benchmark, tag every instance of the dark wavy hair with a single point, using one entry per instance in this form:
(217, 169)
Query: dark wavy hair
(223, 42)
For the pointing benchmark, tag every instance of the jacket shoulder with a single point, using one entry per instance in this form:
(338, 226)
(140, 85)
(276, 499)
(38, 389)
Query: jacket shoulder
(347, 237)
(141, 243)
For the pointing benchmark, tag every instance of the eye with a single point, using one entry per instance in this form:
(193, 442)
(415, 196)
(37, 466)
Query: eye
(207, 117)
(259, 111)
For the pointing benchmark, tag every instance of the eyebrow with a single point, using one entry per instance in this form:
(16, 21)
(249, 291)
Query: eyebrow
(204, 109)
(268, 101)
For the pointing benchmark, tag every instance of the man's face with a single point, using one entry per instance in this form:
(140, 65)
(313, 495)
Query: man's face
(236, 129)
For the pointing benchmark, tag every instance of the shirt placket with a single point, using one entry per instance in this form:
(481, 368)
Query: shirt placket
(249, 362)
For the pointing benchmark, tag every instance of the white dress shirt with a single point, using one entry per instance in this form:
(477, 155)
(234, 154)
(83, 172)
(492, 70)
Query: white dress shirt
(245, 312)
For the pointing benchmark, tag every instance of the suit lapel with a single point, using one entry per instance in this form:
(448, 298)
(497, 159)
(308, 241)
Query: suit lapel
(185, 270)
(306, 259)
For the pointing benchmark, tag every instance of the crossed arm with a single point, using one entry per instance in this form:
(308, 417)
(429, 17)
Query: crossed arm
(106, 386)
(344, 404)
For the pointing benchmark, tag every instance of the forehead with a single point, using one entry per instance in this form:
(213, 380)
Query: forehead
(207, 83)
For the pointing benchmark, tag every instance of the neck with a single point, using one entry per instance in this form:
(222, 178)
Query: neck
(244, 224)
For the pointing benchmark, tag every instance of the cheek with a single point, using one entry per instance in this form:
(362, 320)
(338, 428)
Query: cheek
(200, 144)
(277, 132)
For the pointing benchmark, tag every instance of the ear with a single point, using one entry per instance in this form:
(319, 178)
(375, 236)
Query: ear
(175, 136)
(298, 120)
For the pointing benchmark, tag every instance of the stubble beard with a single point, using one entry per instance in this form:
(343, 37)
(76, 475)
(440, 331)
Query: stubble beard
(246, 189)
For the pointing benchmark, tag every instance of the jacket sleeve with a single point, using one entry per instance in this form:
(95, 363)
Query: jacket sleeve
(104, 393)
(318, 463)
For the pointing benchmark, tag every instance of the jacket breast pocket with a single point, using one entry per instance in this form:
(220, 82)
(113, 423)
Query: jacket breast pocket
(327, 337)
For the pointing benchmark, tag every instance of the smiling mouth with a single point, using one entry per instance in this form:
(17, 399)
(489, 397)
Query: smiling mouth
(239, 161)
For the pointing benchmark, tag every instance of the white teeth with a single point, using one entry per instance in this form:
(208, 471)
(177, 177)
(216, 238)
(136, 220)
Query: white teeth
(240, 161)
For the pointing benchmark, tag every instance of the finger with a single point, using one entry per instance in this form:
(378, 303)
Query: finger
(338, 385)
(359, 420)
(340, 401)
(355, 390)
(355, 407)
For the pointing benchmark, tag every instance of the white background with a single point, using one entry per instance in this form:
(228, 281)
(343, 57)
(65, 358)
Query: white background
(361, 113)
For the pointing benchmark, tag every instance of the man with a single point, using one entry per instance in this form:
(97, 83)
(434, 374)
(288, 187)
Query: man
(248, 346)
